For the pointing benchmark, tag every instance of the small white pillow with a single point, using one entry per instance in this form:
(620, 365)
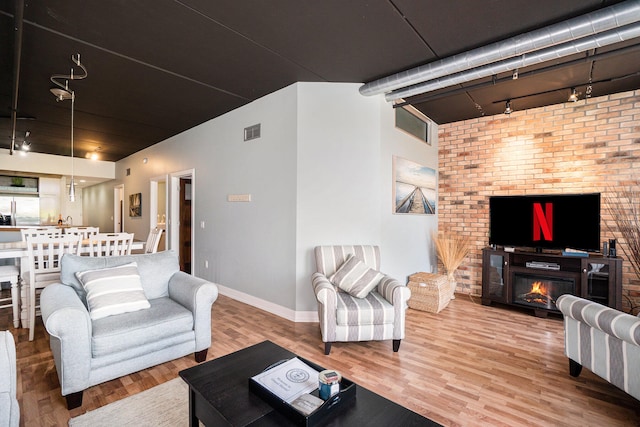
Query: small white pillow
(113, 290)
(355, 278)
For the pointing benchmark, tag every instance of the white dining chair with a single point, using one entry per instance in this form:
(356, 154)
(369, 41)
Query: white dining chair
(41, 231)
(44, 254)
(85, 232)
(11, 274)
(153, 241)
(110, 244)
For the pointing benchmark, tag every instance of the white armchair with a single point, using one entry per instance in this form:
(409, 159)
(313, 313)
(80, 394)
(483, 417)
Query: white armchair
(602, 339)
(378, 315)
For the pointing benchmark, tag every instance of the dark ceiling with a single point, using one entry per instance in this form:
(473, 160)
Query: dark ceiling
(159, 67)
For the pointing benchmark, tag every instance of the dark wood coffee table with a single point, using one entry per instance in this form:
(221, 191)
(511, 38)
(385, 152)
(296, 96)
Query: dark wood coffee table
(219, 395)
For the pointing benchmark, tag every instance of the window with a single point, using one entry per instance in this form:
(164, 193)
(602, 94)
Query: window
(413, 122)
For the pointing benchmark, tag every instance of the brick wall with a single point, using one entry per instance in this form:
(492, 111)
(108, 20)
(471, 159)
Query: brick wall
(581, 147)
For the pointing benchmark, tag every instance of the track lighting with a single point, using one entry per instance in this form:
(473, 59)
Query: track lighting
(588, 91)
(508, 109)
(573, 97)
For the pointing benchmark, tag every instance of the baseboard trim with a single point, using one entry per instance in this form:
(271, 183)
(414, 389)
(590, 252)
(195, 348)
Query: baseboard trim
(268, 306)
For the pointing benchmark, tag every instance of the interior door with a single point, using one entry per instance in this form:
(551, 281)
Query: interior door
(185, 225)
(118, 211)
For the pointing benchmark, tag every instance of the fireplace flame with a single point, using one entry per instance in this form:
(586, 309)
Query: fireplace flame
(539, 288)
(538, 295)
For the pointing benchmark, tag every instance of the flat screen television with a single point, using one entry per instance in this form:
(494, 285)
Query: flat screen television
(556, 221)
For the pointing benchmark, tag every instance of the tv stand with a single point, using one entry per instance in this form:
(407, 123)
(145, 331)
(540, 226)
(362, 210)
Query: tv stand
(506, 277)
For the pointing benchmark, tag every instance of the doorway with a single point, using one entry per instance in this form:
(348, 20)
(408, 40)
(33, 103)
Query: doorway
(181, 217)
(185, 225)
(118, 208)
(158, 207)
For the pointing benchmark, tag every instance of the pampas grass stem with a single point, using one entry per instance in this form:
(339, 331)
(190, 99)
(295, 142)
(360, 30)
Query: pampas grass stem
(452, 250)
(624, 207)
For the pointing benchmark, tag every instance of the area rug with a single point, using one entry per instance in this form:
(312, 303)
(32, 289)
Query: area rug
(166, 404)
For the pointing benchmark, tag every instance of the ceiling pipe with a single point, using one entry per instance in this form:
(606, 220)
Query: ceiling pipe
(17, 53)
(584, 44)
(592, 23)
(493, 82)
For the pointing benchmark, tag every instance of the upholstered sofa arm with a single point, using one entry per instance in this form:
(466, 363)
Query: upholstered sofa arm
(327, 297)
(604, 340)
(68, 323)
(394, 291)
(324, 290)
(608, 320)
(9, 408)
(397, 294)
(197, 295)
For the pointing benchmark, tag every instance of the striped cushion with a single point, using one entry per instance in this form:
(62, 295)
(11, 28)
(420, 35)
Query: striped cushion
(114, 290)
(363, 312)
(355, 278)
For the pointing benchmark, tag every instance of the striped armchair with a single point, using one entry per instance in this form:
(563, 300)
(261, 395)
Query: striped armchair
(378, 316)
(604, 340)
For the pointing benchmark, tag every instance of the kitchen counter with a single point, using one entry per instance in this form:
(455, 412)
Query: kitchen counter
(11, 233)
(20, 227)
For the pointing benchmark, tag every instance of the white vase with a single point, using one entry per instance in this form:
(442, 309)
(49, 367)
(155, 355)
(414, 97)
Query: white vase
(452, 285)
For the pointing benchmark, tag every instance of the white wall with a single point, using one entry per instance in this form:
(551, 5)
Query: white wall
(250, 247)
(97, 206)
(405, 238)
(320, 174)
(338, 175)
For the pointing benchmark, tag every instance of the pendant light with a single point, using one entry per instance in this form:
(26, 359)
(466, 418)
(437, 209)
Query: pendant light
(62, 93)
(72, 184)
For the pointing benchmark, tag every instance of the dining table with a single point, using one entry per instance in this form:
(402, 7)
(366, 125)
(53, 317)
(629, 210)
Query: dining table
(18, 250)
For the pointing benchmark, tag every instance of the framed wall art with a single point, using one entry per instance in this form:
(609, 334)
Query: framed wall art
(414, 188)
(135, 204)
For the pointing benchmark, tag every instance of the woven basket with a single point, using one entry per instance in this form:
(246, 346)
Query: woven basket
(429, 292)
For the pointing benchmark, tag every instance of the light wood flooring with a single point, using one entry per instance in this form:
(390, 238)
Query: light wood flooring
(469, 365)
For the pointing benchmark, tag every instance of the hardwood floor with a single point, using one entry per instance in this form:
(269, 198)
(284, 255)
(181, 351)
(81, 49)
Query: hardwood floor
(469, 365)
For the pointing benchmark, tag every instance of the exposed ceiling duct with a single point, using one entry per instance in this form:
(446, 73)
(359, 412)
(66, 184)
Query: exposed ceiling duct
(562, 37)
(484, 83)
(582, 45)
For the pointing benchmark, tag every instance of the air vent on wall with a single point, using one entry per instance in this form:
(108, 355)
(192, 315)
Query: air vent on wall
(252, 132)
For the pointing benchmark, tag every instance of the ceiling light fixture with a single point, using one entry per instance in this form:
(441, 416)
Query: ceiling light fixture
(508, 109)
(26, 145)
(63, 92)
(573, 97)
(95, 154)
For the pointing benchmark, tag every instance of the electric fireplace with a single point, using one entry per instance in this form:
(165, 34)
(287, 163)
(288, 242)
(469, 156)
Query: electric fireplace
(534, 281)
(540, 291)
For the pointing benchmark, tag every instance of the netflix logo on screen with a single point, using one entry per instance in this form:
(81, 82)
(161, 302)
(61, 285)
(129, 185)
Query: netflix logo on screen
(543, 222)
(556, 221)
